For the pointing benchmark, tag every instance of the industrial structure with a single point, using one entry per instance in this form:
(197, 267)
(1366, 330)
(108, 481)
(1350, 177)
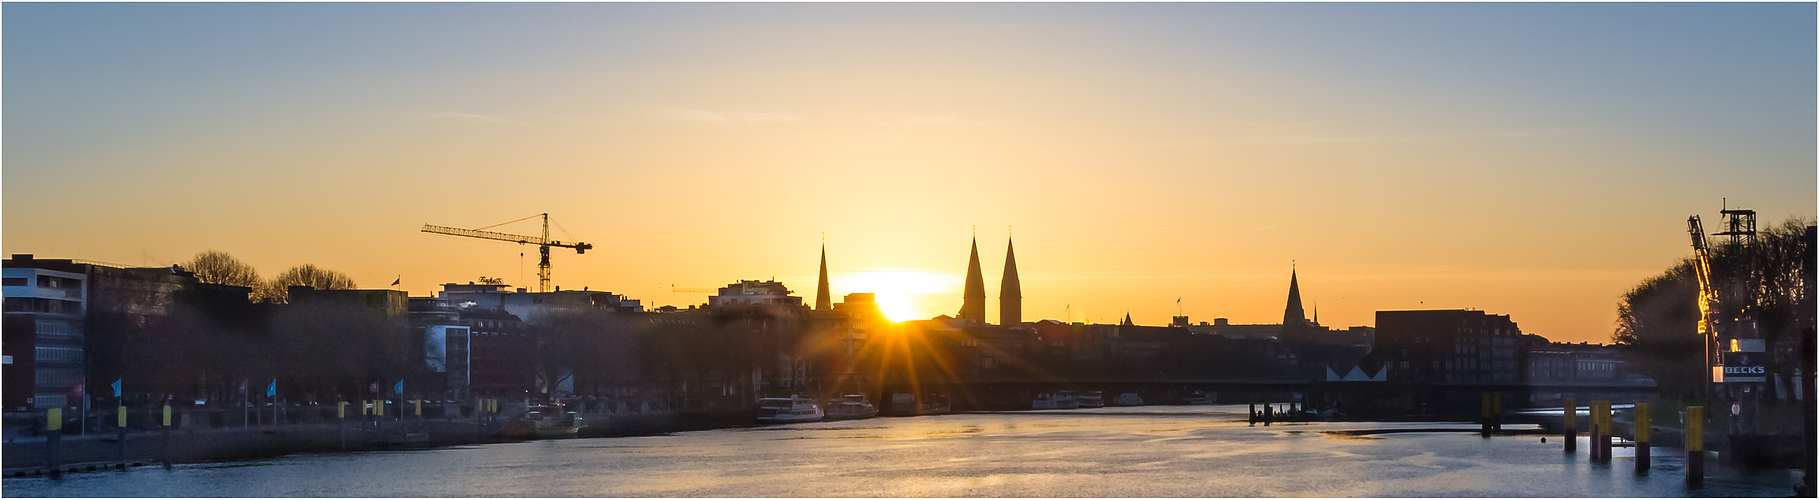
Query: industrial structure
(543, 243)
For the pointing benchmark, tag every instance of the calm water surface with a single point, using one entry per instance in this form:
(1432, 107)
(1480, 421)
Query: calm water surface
(1180, 451)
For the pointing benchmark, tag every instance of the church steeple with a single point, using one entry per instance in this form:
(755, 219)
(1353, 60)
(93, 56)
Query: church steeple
(972, 307)
(823, 300)
(1293, 317)
(1010, 294)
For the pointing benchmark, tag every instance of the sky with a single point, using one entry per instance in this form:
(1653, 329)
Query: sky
(1535, 160)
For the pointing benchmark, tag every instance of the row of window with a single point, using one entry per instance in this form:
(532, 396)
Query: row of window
(57, 329)
(58, 354)
(35, 304)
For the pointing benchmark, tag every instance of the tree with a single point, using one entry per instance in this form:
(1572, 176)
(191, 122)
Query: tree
(1658, 321)
(222, 269)
(278, 289)
(1658, 330)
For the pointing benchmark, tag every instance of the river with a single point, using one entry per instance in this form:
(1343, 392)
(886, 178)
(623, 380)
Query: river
(1167, 451)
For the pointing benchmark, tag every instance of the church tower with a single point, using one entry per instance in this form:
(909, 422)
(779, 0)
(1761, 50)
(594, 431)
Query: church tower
(824, 301)
(1010, 296)
(973, 306)
(1294, 318)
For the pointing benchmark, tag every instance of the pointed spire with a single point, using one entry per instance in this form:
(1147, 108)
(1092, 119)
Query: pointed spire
(1127, 320)
(1294, 318)
(1010, 293)
(972, 307)
(823, 299)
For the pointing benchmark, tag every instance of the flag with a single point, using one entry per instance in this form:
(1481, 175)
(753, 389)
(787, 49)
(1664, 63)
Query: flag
(1177, 300)
(117, 387)
(272, 390)
(399, 389)
(397, 281)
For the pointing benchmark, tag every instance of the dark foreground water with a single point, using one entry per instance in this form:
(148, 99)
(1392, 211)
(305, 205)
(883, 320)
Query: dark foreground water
(1179, 451)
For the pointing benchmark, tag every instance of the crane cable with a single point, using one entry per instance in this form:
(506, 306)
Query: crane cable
(509, 222)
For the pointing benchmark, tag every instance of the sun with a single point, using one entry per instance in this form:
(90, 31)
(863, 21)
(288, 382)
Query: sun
(899, 291)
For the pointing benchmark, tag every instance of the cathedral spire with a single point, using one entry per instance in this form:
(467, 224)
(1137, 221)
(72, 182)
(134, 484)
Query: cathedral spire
(1293, 317)
(972, 308)
(1010, 294)
(823, 300)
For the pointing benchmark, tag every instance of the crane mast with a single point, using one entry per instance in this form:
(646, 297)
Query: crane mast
(1708, 297)
(543, 243)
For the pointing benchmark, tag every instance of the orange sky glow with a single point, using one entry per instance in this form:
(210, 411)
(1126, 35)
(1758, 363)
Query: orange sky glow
(1531, 160)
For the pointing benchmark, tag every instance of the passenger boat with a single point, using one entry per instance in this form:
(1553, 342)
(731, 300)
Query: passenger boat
(851, 407)
(788, 410)
(1127, 399)
(542, 422)
(1058, 400)
(1090, 399)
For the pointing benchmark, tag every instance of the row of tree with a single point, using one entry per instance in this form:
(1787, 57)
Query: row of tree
(219, 268)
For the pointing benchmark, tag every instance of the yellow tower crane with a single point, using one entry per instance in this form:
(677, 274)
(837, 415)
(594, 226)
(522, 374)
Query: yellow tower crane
(543, 243)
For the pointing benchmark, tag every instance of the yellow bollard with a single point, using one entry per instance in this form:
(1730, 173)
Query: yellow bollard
(340, 409)
(167, 415)
(1608, 433)
(1572, 421)
(379, 407)
(1597, 429)
(122, 419)
(365, 408)
(1642, 438)
(419, 408)
(1695, 445)
(53, 441)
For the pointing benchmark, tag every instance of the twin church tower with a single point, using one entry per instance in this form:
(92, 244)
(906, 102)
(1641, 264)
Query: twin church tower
(1010, 296)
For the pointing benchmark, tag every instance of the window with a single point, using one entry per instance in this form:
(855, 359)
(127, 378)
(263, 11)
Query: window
(12, 281)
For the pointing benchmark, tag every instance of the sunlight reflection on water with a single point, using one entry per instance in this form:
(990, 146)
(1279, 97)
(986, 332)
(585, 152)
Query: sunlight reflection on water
(1111, 452)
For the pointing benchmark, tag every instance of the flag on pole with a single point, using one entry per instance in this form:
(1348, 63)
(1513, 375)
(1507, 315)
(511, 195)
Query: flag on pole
(117, 387)
(272, 390)
(397, 281)
(398, 389)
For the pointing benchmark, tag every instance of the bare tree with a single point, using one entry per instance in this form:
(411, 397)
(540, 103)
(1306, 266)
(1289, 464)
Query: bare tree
(222, 269)
(278, 289)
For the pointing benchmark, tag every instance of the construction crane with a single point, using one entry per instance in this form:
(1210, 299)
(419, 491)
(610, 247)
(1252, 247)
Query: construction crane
(1708, 297)
(543, 243)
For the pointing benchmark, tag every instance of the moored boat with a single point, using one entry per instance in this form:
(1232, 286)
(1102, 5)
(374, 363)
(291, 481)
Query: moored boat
(1127, 399)
(906, 404)
(1090, 399)
(850, 407)
(788, 410)
(541, 422)
(1058, 400)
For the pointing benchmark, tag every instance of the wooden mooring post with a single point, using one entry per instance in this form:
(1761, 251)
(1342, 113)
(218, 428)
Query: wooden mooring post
(1572, 421)
(1695, 445)
(1641, 438)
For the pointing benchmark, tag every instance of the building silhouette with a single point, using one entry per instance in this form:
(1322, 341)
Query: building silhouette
(1010, 295)
(823, 299)
(973, 306)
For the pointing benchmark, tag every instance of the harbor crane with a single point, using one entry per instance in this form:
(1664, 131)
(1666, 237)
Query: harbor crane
(1708, 298)
(543, 243)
